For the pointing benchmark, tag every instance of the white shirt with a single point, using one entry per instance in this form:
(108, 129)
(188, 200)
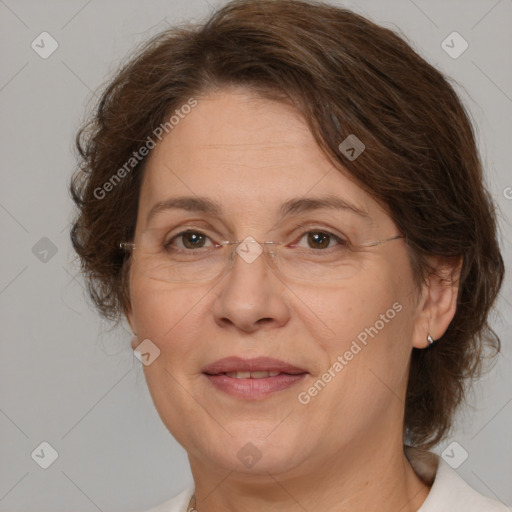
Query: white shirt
(449, 492)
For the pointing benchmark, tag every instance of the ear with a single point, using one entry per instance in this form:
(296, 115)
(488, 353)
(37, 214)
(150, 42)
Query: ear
(438, 300)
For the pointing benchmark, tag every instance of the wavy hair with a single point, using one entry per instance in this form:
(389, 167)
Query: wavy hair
(345, 75)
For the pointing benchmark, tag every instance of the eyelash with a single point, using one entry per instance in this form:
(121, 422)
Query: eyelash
(341, 242)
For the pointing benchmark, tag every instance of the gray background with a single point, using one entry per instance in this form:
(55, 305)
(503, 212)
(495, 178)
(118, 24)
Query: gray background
(66, 378)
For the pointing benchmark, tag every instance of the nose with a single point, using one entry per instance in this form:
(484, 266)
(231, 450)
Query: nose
(251, 296)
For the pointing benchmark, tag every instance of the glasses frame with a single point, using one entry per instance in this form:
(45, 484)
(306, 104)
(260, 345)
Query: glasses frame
(131, 247)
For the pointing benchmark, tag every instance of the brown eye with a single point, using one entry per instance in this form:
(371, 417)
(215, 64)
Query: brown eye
(318, 239)
(187, 240)
(192, 240)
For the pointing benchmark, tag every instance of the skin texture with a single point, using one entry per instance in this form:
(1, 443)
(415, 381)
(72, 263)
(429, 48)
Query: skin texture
(343, 451)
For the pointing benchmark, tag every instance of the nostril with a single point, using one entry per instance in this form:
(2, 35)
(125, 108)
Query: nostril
(264, 320)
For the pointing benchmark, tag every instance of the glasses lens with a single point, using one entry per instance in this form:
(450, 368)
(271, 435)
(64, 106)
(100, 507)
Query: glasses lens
(318, 265)
(157, 259)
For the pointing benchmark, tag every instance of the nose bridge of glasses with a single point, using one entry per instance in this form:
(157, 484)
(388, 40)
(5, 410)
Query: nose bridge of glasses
(249, 250)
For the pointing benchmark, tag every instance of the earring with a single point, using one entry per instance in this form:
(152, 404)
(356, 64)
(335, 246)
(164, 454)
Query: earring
(430, 340)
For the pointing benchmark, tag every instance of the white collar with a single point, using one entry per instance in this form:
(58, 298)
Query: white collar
(449, 492)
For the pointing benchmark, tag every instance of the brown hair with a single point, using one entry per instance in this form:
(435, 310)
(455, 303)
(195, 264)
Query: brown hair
(345, 75)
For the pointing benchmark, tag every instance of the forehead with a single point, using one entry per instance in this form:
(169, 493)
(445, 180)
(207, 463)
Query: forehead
(246, 152)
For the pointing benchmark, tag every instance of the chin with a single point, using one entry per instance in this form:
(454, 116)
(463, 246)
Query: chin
(256, 454)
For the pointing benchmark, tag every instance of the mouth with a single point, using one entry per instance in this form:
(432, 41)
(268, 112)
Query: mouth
(252, 375)
(252, 379)
(257, 367)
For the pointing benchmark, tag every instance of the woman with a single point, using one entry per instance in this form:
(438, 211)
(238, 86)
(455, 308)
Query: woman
(287, 205)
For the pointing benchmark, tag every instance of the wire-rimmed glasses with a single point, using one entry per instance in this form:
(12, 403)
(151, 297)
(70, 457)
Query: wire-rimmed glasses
(162, 260)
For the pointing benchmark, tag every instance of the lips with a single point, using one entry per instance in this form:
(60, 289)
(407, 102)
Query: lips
(255, 368)
(252, 379)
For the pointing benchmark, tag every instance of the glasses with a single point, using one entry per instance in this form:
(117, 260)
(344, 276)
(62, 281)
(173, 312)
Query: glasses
(199, 258)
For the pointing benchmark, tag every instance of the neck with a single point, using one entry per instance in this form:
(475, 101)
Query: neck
(360, 477)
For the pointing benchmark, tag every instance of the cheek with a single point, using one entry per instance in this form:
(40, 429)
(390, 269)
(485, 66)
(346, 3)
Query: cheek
(163, 312)
(172, 318)
(370, 344)
(369, 329)
(352, 306)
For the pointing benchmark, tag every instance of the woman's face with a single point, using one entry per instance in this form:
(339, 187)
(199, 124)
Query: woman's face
(250, 156)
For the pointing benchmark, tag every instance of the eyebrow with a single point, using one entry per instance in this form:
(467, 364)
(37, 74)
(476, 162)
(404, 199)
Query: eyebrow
(292, 206)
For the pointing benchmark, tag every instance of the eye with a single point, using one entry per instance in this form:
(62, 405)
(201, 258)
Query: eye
(317, 239)
(188, 240)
